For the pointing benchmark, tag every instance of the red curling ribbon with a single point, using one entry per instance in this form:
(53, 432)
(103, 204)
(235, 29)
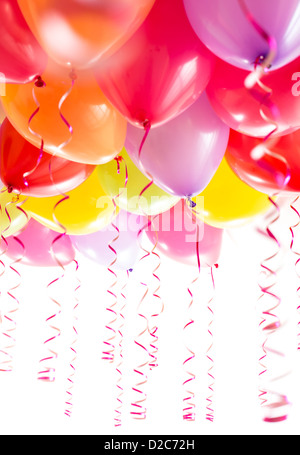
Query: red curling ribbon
(274, 403)
(73, 349)
(210, 412)
(48, 372)
(189, 396)
(297, 255)
(109, 352)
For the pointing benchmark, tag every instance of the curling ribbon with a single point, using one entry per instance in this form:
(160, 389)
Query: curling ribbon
(274, 403)
(153, 330)
(139, 406)
(297, 255)
(6, 365)
(48, 373)
(73, 349)
(120, 389)
(109, 353)
(189, 396)
(210, 415)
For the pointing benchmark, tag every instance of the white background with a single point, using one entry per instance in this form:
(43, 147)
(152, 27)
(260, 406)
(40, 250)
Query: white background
(30, 407)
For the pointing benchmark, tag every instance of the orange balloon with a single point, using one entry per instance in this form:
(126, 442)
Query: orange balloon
(99, 130)
(77, 33)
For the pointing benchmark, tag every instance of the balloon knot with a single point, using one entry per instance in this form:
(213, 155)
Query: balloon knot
(73, 75)
(192, 203)
(10, 189)
(39, 82)
(146, 125)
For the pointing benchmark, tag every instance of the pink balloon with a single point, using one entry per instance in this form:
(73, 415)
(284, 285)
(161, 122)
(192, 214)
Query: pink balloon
(183, 155)
(34, 247)
(160, 71)
(240, 108)
(226, 30)
(176, 234)
(96, 246)
(21, 56)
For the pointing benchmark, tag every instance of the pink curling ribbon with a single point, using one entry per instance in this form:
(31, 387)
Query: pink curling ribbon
(297, 255)
(273, 401)
(189, 395)
(210, 412)
(48, 370)
(151, 347)
(8, 319)
(120, 388)
(73, 348)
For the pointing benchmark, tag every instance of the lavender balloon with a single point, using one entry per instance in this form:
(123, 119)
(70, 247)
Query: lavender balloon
(229, 31)
(182, 155)
(96, 246)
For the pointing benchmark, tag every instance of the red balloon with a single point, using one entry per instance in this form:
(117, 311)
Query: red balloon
(176, 233)
(160, 71)
(21, 56)
(26, 169)
(240, 108)
(268, 169)
(38, 246)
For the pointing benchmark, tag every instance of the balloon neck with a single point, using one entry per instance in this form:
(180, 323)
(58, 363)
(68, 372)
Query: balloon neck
(192, 204)
(39, 82)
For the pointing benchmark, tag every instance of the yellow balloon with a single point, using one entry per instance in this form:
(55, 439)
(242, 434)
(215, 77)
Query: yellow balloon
(15, 219)
(227, 201)
(130, 196)
(87, 210)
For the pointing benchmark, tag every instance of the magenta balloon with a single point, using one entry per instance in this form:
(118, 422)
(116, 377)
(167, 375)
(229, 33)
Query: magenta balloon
(183, 155)
(225, 29)
(96, 246)
(21, 56)
(175, 233)
(160, 71)
(34, 247)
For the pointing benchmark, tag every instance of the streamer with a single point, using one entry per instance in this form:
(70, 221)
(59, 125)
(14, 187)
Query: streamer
(189, 396)
(73, 349)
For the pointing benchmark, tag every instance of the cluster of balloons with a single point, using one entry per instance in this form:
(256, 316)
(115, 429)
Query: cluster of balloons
(127, 116)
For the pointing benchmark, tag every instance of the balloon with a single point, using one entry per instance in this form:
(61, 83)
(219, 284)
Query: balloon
(76, 33)
(96, 246)
(87, 210)
(12, 216)
(176, 233)
(240, 108)
(227, 202)
(129, 194)
(98, 130)
(229, 33)
(38, 246)
(24, 170)
(182, 155)
(160, 71)
(21, 57)
(275, 169)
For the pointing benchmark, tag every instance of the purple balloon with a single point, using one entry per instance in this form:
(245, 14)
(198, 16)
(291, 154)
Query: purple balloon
(226, 30)
(96, 246)
(38, 246)
(182, 155)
